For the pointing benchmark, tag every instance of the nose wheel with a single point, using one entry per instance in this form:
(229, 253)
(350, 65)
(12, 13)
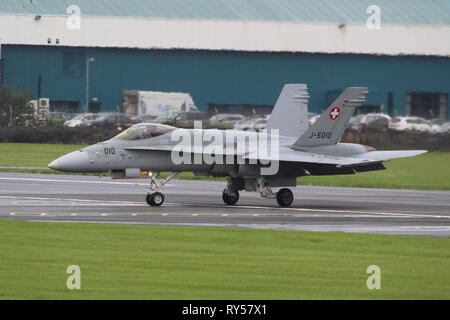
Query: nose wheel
(155, 199)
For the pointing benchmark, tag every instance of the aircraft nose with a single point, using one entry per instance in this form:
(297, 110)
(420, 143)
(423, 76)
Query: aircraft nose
(77, 161)
(54, 165)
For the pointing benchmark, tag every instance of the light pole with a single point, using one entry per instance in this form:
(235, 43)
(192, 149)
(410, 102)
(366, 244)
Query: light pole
(86, 106)
(1, 65)
(10, 116)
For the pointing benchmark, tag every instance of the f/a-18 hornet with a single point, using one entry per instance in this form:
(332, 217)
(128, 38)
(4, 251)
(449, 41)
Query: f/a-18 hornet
(252, 161)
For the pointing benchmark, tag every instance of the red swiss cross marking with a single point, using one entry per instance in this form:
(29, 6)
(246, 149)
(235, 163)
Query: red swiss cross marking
(334, 113)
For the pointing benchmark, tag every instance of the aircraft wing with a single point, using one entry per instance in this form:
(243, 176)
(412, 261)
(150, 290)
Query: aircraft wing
(286, 154)
(289, 155)
(315, 163)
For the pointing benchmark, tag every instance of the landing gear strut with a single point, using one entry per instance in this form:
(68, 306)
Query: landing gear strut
(154, 197)
(284, 196)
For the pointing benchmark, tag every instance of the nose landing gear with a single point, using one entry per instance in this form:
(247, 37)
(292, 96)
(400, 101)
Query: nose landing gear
(154, 197)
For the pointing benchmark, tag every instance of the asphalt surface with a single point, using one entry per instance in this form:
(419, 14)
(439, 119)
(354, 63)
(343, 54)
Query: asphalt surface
(69, 198)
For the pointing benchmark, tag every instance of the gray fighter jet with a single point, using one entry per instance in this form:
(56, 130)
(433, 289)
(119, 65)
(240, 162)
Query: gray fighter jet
(251, 161)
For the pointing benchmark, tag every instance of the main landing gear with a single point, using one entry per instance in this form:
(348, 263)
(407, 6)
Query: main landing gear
(284, 196)
(230, 197)
(154, 197)
(230, 194)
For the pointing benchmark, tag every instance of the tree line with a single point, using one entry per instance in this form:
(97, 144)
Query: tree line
(14, 108)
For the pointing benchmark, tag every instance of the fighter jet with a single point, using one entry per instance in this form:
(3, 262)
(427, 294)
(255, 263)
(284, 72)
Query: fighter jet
(252, 161)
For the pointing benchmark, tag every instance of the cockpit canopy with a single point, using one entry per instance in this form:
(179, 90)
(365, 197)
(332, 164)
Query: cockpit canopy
(144, 131)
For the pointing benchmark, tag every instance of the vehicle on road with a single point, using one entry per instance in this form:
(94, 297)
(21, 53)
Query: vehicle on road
(370, 121)
(226, 118)
(444, 128)
(144, 118)
(81, 120)
(48, 118)
(411, 123)
(184, 118)
(112, 119)
(156, 103)
(253, 123)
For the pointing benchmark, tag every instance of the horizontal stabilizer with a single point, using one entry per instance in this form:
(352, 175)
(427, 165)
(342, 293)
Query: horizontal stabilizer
(388, 155)
(290, 155)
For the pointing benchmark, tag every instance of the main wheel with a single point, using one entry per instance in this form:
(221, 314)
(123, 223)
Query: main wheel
(155, 199)
(230, 197)
(285, 197)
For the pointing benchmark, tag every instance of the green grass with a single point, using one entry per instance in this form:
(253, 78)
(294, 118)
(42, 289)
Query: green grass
(143, 262)
(428, 171)
(32, 155)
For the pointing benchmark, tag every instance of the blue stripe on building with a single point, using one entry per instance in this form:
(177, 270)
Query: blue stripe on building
(219, 77)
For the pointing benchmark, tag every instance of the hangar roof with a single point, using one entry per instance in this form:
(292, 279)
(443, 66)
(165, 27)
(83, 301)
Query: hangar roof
(407, 27)
(430, 12)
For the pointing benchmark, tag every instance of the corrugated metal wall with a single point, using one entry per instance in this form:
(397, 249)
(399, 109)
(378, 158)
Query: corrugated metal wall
(219, 77)
(338, 11)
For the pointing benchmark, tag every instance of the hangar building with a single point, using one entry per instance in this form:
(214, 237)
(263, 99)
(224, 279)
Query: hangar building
(229, 54)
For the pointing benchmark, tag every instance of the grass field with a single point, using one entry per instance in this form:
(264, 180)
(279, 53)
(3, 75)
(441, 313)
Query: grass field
(428, 171)
(32, 154)
(142, 262)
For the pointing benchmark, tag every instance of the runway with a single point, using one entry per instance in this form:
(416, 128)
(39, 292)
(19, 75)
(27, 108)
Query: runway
(70, 198)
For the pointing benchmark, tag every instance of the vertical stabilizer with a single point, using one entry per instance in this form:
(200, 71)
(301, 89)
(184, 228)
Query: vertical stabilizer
(290, 114)
(330, 127)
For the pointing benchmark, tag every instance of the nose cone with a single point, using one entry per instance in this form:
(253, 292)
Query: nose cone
(54, 165)
(77, 161)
